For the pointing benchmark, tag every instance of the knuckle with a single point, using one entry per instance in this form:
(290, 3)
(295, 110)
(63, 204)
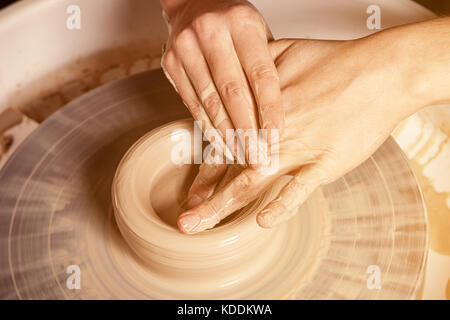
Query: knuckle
(212, 104)
(194, 107)
(203, 24)
(246, 187)
(329, 159)
(269, 108)
(184, 39)
(322, 171)
(263, 71)
(230, 89)
(297, 182)
(325, 171)
(245, 181)
(240, 11)
(214, 213)
(202, 180)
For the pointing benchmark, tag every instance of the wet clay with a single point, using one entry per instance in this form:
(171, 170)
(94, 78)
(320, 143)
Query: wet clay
(235, 258)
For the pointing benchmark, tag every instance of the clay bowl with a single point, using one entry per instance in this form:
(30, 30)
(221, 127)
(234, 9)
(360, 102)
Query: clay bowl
(148, 193)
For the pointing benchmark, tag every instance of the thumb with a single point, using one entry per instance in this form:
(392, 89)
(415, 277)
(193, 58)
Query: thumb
(277, 47)
(204, 183)
(285, 205)
(235, 195)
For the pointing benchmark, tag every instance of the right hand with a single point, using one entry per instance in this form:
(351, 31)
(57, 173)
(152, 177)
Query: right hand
(217, 58)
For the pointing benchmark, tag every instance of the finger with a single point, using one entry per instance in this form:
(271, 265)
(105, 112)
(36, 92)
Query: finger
(197, 71)
(291, 196)
(232, 85)
(235, 195)
(261, 21)
(232, 172)
(254, 54)
(204, 183)
(277, 47)
(269, 34)
(176, 75)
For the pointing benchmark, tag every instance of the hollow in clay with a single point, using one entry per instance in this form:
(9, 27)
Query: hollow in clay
(236, 258)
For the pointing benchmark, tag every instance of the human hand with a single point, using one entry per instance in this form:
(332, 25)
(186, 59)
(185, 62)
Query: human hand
(341, 99)
(218, 60)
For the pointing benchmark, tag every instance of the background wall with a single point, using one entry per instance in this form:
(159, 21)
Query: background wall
(438, 6)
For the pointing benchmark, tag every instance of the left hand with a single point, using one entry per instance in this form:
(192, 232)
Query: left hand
(342, 99)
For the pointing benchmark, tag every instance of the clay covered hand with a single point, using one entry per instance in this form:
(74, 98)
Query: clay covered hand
(218, 60)
(341, 99)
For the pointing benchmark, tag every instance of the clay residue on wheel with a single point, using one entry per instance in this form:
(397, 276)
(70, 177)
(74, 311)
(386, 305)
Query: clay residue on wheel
(39, 99)
(14, 128)
(428, 152)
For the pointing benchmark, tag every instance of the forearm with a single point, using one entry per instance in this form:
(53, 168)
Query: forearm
(425, 47)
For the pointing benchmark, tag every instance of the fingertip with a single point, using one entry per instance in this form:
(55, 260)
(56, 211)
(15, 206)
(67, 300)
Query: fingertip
(271, 216)
(265, 221)
(188, 222)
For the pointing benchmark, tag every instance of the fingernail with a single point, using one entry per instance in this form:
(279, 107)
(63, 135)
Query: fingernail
(189, 222)
(193, 201)
(265, 221)
(267, 218)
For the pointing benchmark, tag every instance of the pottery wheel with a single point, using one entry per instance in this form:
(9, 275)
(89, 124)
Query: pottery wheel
(55, 209)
